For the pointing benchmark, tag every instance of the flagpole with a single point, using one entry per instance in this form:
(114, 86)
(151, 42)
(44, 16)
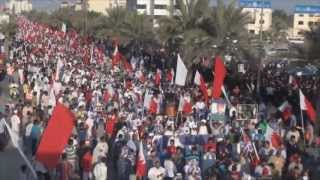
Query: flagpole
(302, 124)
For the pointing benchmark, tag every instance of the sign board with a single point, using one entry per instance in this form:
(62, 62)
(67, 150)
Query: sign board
(218, 110)
(247, 111)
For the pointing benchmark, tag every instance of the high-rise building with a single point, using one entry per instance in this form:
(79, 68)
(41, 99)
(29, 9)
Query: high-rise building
(19, 6)
(260, 14)
(101, 6)
(305, 16)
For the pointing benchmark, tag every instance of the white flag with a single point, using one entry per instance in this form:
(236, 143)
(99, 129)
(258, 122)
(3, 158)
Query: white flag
(197, 78)
(181, 73)
(58, 70)
(64, 28)
(147, 99)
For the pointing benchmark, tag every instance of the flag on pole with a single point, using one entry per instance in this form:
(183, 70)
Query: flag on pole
(157, 79)
(307, 106)
(181, 72)
(153, 106)
(55, 136)
(170, 76)
(220, 73)
(140, 76)
(116, 57)
(58, 69)
(285, 110)
(198, 80)
(147, 99)
(127, 66)
(273, 137)
(293, 82)
(64, 27)
(141, 162)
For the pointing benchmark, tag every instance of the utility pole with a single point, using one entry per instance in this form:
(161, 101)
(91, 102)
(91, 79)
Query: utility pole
(85, 11)
(260, 48)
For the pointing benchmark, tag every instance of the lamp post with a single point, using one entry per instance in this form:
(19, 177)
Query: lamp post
(260, 48)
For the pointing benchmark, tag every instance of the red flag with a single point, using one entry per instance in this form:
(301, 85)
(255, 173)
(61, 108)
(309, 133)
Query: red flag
(187, 106)
(170, 75)
(106, 96)
(116, 57)
(307, 106)
(220, 73)
(55, 136)
(158, 78)
(127, 66)
(153, 106)
(141, 162)
(110, 125)
(140, 76)
(198, 79)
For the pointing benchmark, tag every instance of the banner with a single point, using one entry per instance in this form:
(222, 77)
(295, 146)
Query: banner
(247, 111)
(218, 110)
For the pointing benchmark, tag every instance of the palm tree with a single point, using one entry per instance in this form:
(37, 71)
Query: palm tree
(137, 28)
(312, 43)
(199, 29)
(182, 31)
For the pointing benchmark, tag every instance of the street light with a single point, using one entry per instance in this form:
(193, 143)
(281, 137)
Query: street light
(260, 48)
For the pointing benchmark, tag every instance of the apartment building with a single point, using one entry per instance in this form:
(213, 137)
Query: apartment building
(260, 13)
(305, 17)
(19, 6)
(101, 6)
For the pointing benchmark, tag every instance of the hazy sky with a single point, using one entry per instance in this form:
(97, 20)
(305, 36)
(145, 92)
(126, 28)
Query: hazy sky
(287, 5)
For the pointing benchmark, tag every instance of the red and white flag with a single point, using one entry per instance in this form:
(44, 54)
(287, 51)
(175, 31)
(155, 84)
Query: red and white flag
(305, 105)
(285, 110)
(185, 105)
(140, 76)
(153, 106)
(273, 137)
(293, 82)
(116, 57)
(55, 137)
(157, 79)
(198, 80)
(127, 66)
(141, 162)
(170, 76)
(219, 75)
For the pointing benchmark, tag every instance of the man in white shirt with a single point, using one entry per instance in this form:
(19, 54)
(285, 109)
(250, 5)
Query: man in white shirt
(157, 172)
(15, 126)
(100, 170)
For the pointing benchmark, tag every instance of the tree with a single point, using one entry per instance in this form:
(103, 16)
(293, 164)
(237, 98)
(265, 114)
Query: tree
(182, 31)
(9, 28)
(281, 21)
(312, 43)
(200, 30)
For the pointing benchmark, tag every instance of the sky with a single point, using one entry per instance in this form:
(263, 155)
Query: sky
(287, 5)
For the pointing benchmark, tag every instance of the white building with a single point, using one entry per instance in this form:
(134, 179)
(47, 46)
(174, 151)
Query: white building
(101, 6)
(260, 12)
(19, 6)
(155, 7)
(305, 16)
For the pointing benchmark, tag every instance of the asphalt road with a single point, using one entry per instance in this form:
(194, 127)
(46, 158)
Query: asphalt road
(10, 159)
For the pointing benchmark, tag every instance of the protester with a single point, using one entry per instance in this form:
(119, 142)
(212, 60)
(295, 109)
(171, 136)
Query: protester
(131, 119)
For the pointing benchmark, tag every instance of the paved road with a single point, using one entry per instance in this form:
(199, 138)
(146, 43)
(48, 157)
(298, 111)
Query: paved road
(10, 159)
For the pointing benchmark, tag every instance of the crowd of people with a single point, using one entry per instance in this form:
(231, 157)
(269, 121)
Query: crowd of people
(123, 109)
